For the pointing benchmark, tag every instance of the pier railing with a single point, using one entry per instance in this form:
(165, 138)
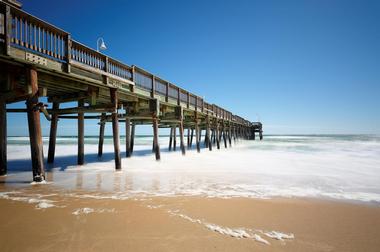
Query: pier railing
(22, 30)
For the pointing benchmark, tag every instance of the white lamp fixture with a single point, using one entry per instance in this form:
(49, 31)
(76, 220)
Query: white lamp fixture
(102, 44)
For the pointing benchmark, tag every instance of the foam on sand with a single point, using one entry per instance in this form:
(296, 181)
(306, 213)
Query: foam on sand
(278, 235)
(88, 210)
(31, 199)
(239, 233)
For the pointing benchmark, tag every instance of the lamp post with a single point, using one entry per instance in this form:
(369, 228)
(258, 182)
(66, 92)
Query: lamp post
(102, 44)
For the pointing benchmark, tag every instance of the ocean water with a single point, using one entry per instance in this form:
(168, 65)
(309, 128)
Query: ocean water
(341, 167)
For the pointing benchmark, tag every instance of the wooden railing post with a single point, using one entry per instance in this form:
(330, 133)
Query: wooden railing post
(8, 29)
(153, 91)
(68, 53)
(179, 96)
(167, 92)
(188, 100)
(106, 65)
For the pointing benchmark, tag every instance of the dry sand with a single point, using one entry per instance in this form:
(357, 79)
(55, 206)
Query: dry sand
(171, 224)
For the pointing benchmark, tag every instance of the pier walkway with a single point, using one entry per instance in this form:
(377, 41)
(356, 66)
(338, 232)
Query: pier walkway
(39, 60)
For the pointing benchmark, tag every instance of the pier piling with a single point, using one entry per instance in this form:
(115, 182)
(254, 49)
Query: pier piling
(174, 138)
(128, 137)
(132, 137)
(197, 137)
(53, 134)
(3, 137)
(155, 138)
(101, 134)
(34, 123)
(171, 138)
(182, 138)
(115, 128)
(80, 134)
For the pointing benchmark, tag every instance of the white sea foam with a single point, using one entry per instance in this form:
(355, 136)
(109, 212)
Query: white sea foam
(43, 205)
(154, 206)
(30, 199)
(88, 210)
(85, 210)
(238, 233)
(344, 168)
(260, 239)
(278, 235)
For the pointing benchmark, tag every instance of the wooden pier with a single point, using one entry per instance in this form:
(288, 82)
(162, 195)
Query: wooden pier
(38, 60)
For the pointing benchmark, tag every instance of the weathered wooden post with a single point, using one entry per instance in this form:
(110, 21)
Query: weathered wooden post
(208, 134)
(171, 138)
(115, 128)
(154, 106)
(179, 115)
(191, 137)
(3, 137)
(217, 132)
(174, 138)
(53, 133)
(182, 138)
(213, 136)
(234, 132)
(35, 134)
(128, 137)
(133, 137)
(224, 136)
(207, 138)
(155, 138)
(101, 134)
(188, 137)
(197, 136)
(200, 135)
(80, 133)
(229, 134)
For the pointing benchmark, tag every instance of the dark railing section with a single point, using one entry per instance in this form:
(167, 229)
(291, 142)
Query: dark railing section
(200, 103)
(87, 56)
(173, 91)
(160, 86)
(119, 69)
(34, 34)
(22, 30)
(183, 96)
(143, 80)
(192, 100)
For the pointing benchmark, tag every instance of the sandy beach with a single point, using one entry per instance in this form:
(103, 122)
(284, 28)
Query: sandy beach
(185, 224)
(290, 193)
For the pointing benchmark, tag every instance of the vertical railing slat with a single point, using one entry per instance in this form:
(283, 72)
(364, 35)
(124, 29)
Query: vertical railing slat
(8, 29)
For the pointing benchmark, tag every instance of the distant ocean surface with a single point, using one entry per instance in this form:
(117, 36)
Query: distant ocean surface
(343, 167)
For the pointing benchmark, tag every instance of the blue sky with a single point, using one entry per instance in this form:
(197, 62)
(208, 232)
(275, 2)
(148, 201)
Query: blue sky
(309, 66)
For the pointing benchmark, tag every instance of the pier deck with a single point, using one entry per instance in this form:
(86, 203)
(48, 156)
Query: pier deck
(38, 60)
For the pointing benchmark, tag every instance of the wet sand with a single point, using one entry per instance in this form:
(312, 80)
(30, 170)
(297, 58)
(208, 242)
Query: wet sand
(80, 221)
(203, 204)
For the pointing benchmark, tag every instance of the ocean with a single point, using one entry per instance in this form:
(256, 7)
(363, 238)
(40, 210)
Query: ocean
(338, 167)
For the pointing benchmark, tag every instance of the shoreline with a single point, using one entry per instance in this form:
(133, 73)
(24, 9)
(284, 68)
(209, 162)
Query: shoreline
(184, 223)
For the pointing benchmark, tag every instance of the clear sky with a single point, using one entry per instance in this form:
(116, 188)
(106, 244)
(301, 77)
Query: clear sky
(310, 66)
